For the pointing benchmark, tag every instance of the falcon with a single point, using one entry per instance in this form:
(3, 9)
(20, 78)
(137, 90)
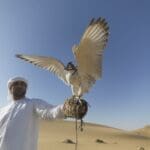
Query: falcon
(88, 55)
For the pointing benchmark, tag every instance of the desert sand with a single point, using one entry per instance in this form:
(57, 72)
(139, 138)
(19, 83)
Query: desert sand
(94, 137)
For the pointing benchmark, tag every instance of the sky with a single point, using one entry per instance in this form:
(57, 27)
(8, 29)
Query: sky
(121, 98)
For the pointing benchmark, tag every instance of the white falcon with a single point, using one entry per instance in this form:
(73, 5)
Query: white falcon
(88, 55)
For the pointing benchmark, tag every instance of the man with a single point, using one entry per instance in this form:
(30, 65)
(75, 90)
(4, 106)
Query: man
(19, 120)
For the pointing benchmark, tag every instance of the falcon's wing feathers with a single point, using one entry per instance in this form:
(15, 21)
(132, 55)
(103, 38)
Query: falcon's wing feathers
(87, 82)
(89, 52)
(49, 63)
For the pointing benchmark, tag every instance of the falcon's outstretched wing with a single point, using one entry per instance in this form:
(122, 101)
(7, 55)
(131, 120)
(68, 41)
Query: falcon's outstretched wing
(48, 63)
(89, 52)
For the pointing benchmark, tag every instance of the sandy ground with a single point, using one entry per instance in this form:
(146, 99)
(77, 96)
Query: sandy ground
(53, 133)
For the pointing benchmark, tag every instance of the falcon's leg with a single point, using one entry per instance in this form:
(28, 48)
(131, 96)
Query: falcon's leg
(74, 90)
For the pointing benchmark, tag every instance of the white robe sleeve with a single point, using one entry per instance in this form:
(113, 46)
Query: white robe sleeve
(47, 111)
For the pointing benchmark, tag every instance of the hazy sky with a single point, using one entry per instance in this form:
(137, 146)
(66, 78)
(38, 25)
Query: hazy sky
(51, 27)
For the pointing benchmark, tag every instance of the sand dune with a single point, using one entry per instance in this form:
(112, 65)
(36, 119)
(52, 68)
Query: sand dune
(143, 131)
(54, 133)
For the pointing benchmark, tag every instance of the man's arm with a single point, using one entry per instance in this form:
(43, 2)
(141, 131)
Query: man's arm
(47, 111)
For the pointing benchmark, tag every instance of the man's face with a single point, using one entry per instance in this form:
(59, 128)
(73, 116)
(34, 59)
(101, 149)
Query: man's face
(18, 90)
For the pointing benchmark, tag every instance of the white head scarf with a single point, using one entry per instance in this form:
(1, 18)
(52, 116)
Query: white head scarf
(11, 81)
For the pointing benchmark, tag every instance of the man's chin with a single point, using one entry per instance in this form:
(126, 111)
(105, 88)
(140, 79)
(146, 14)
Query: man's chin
(18, 97)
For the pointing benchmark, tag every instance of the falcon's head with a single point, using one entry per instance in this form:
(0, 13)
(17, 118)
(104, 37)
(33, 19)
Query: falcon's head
(70, 66)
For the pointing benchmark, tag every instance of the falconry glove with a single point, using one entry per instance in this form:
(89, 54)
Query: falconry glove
(75, 108)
